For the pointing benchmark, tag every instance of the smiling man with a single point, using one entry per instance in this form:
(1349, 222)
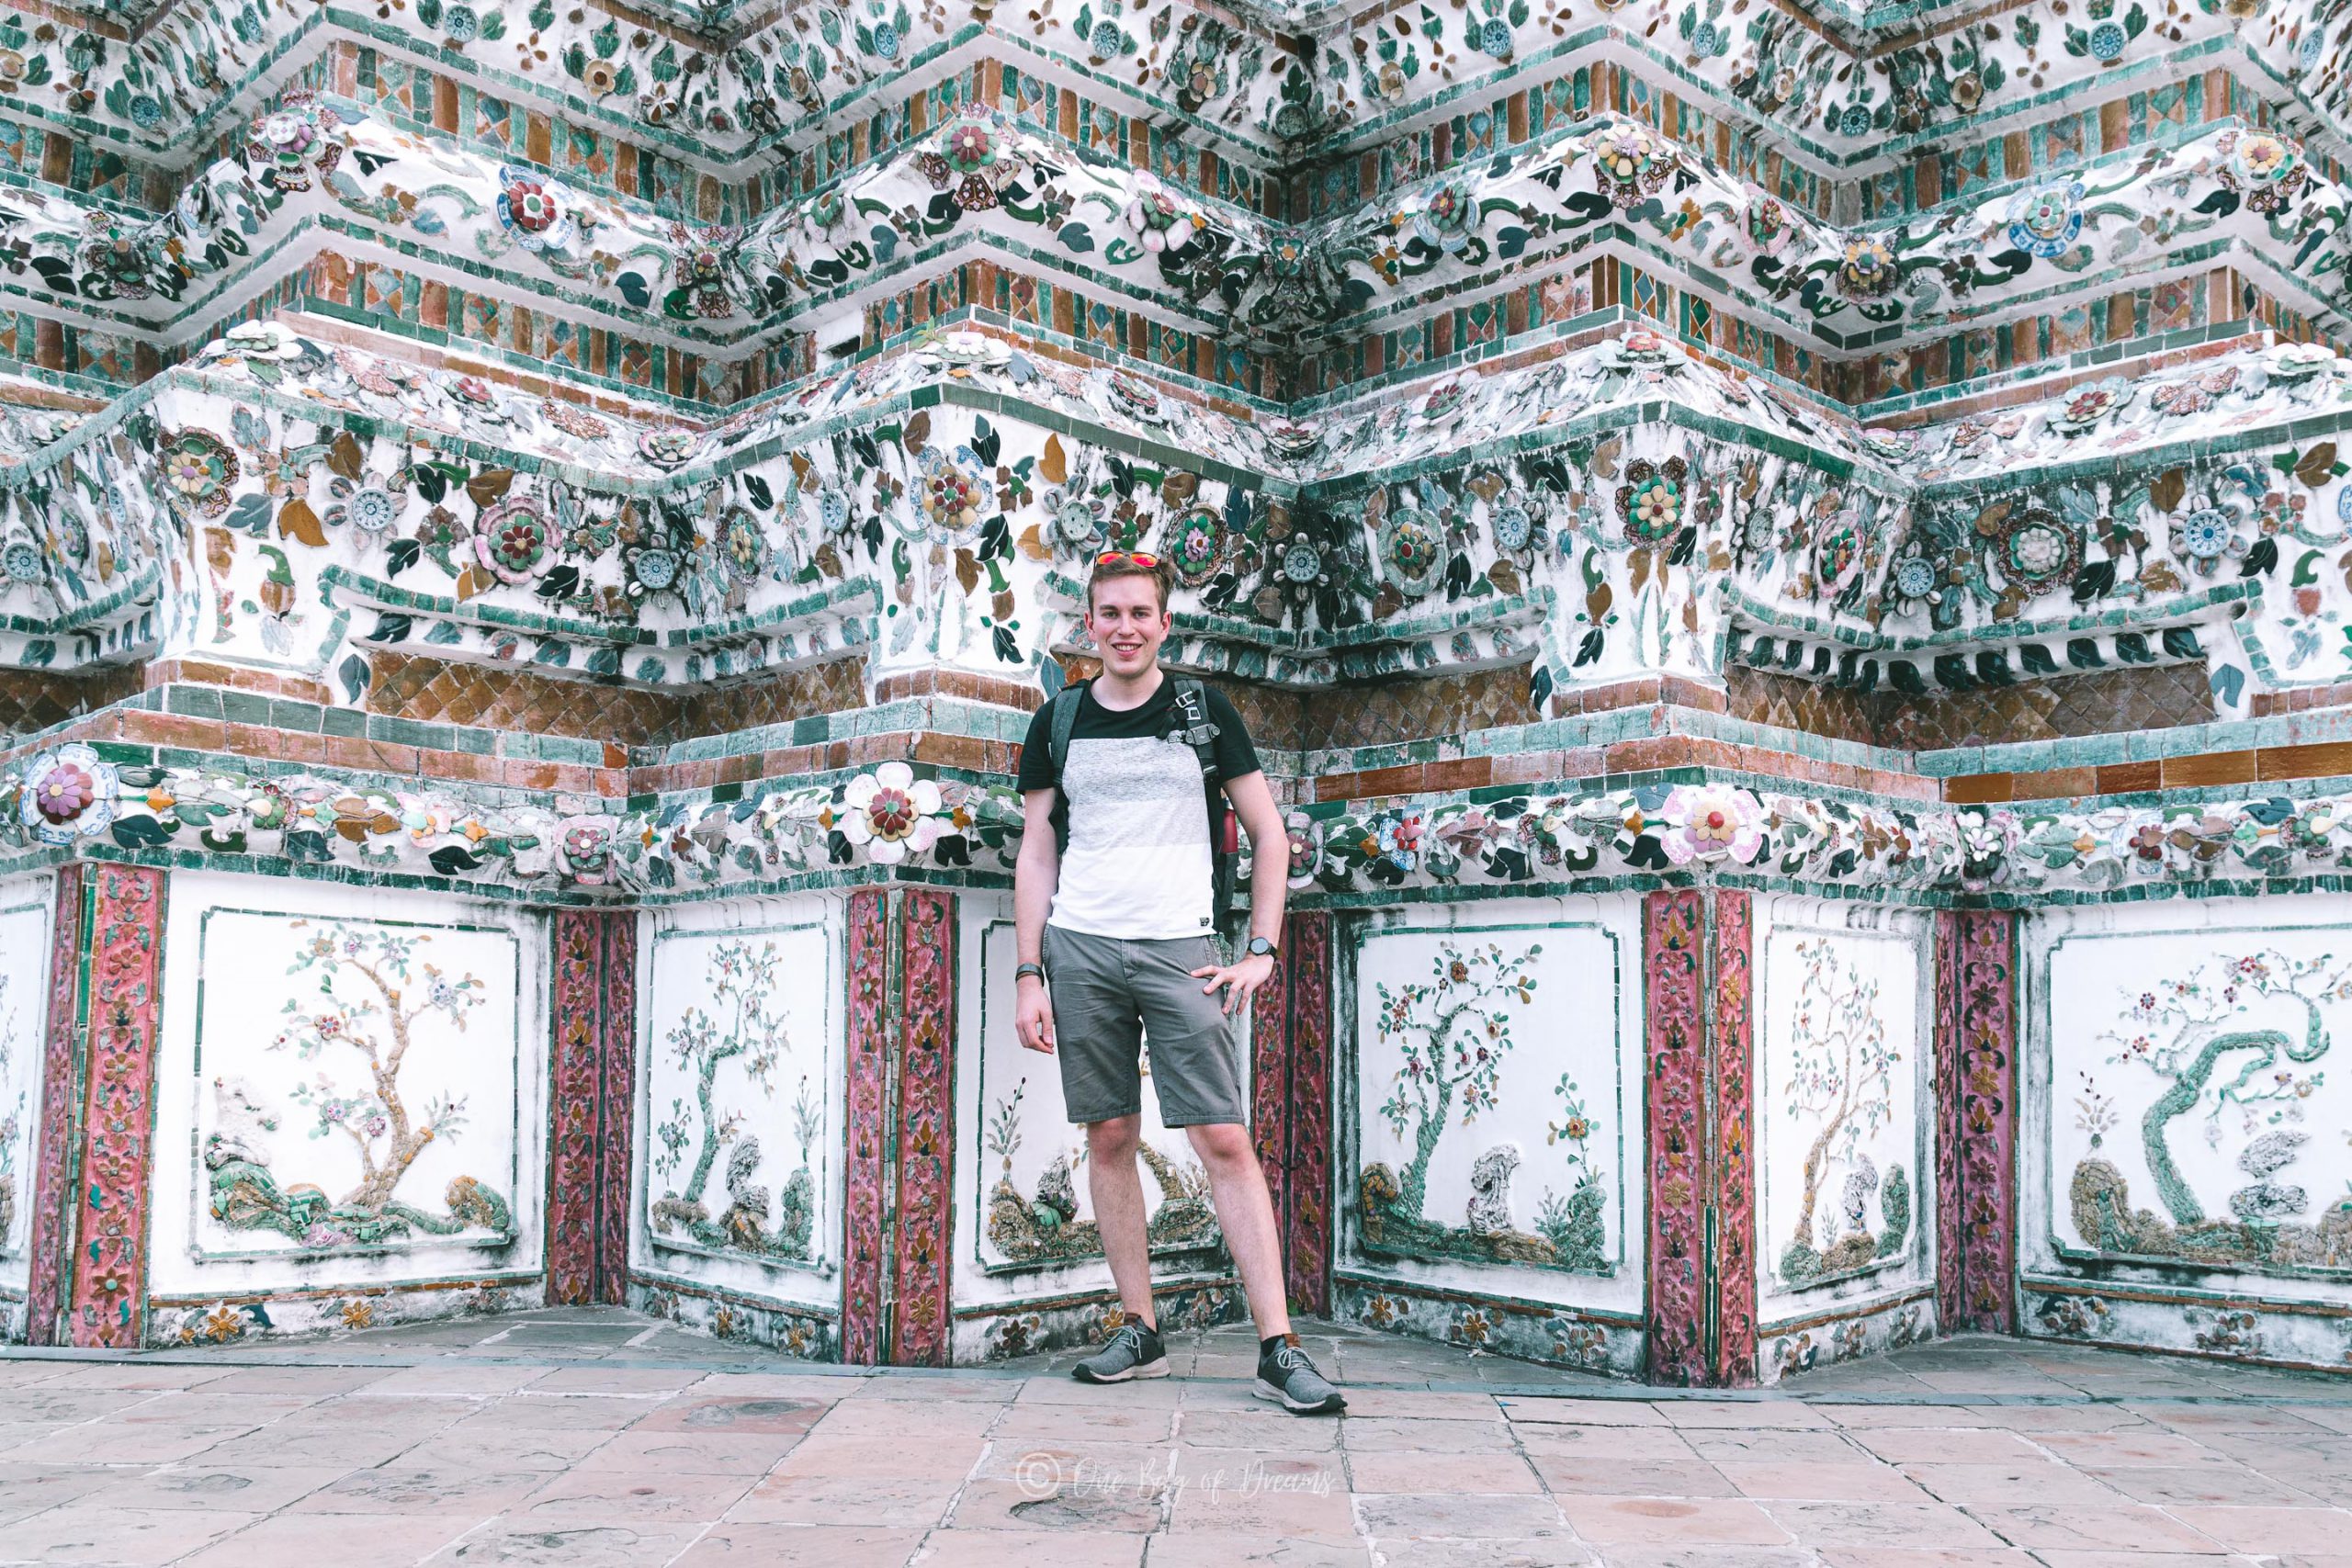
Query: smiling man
(1125, 781)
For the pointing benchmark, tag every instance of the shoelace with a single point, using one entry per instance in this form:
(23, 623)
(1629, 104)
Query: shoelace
(1291, 1359)
(1130, 1335)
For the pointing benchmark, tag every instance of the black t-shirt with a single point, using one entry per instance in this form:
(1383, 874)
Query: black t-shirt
(1138, 865)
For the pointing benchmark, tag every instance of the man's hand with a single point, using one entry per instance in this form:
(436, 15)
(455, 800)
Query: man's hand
(1033, 1015)
(1243, 978)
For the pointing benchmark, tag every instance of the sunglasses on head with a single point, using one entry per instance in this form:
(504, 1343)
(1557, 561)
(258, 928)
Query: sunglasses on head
(1113, 558)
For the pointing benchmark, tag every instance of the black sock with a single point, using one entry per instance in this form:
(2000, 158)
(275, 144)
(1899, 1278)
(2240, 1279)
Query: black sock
(1266, 1346)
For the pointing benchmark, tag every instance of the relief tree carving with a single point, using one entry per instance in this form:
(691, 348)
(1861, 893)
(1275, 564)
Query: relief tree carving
(1453, 1032)
(374, 993)
(2185, 1031)
(1842, 1086)
(744, 990)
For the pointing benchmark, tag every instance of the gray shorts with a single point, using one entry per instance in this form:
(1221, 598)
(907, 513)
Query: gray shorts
(1112, 996)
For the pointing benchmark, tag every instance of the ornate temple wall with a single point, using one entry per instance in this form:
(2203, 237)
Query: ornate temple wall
(1490, 1126)
(1844, 1132)
(735, 1209)
(2184, 1160)
(349, 1099)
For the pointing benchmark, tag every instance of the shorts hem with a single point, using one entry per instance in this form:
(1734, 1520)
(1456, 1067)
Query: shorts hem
(1077, 1121)
(1201, 1119)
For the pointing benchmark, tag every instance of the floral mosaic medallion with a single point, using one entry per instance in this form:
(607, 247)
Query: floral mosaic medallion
(1839, 1106)
(69, 794)
(378, 1110)
(737, 1105)
(1491, 1125)
(1196, 545)
(1030, 1185)
(24, 966)
(1413, 553)
(199, 472)
(2193, 1119)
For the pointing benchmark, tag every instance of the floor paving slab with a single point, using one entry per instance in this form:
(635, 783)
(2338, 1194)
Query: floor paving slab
(606, 1437)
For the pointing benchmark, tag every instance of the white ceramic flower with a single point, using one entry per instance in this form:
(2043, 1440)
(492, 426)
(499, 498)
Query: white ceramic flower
(1711, 822)
(892, 813)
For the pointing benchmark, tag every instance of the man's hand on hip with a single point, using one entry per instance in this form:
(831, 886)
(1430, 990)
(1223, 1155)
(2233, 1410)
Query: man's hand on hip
(1033, 1015)
(1241, 979)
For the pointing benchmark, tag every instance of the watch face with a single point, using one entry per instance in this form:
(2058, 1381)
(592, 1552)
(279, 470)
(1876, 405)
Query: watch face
(1260, 947)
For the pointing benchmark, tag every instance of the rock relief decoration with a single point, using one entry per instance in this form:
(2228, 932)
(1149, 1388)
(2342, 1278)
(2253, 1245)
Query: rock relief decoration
(2211, 1098)
(714, 1112)
(1043, 1225)
(1443, 1061)
(375, 1067)
(1845, 1097)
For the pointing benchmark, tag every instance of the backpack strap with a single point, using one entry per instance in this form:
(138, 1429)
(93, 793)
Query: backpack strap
(1201, 732)
(1062, 721)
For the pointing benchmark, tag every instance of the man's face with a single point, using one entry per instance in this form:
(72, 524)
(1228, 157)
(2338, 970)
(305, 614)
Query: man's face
(1128, 625)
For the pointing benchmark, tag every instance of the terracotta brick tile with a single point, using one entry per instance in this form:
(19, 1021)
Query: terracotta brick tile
(176, 729)
(2316, 762)
(952, 752)
(529, 775)
(2131, 778)
(612, 783)
(1463, 772)
(2057, 784)
(616, 756)
(1977, 789)
(1402, 780)
(1338, 786)
(2212, 768)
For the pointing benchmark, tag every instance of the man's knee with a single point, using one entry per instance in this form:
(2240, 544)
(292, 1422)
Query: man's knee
(1223, 1145)
(1115, 1140)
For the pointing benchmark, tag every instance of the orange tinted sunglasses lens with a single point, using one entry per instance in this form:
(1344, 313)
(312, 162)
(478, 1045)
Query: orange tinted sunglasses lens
(1140, 557)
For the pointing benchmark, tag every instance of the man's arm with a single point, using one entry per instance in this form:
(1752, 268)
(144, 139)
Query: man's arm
(1036, 872)
(1253, 802)
(1262, 818)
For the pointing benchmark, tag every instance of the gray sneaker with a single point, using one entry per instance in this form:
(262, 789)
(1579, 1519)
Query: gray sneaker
(1288, 1378)
(1132, 1351)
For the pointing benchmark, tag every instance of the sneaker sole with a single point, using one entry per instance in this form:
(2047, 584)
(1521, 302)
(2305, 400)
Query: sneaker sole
(1332, 1407)
(1147, 1370)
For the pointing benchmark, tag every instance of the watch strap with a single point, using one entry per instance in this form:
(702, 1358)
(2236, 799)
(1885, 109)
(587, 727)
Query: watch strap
(1021, 969)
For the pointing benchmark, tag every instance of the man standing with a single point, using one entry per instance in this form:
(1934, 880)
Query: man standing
(1124, 782)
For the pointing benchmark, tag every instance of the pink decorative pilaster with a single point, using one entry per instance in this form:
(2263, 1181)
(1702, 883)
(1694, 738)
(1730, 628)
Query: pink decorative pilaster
(863, 1247)
(1696, 960)
(1308, 1201)
(592, 1099)
(122, 1001)
(1977, 1041)
(52, 1222)
(923, 1224)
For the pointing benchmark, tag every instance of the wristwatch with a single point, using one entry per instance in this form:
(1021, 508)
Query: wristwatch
(1260, 947)
(1021, 969)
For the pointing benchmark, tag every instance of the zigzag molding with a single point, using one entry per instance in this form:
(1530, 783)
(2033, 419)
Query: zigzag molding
(288, 505)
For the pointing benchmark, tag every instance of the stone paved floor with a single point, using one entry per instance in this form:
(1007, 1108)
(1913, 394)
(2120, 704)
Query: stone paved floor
(601, 1438)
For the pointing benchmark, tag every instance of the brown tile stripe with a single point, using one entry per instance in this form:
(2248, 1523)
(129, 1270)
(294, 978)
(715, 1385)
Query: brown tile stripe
(2202, 770)
(1592, 763)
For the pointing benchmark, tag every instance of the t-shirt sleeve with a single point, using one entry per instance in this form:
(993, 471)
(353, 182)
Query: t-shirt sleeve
(1037, 751)
(1236, 757)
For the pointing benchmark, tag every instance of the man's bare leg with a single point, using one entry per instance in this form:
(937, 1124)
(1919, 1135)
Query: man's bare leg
(1116, 1184)
(1245, 1212)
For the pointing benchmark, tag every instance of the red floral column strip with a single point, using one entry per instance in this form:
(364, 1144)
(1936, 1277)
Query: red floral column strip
(926, 1131)
(1734, 1155)
(1310, 1176)
(1269, 1078)
(616, 1103)
(1977, 1044)
(869, 1061)
(1673, 931)
(110, 1293)
(574, 1120)
(60, 1062)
